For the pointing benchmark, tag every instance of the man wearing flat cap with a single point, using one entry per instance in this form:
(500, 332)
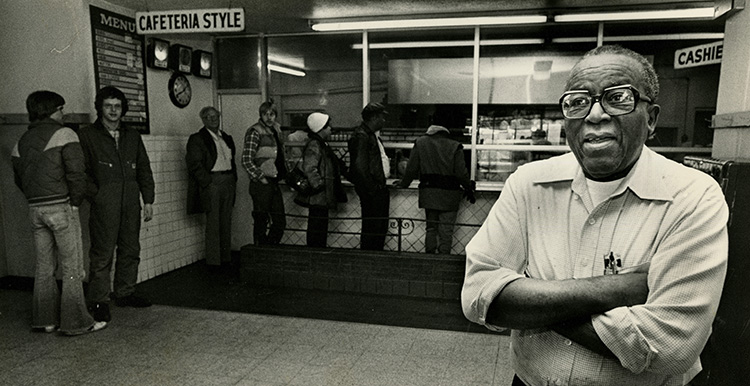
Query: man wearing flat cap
(369, 169)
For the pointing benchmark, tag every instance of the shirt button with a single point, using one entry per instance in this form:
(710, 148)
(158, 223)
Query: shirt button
(568, 342)
(592, 221)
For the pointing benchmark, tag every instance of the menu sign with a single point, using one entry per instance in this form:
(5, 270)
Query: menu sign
(119, 62)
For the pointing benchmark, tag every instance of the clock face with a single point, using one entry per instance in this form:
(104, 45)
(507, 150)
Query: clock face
(160, 51)
(180, 91)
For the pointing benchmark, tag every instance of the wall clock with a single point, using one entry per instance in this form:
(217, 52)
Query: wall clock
(180, 91)
(158, 54)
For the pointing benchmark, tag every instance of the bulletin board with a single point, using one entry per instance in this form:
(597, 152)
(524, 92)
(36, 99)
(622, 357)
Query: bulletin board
(119, 61)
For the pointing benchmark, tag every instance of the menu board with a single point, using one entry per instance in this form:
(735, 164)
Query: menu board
(119, 62)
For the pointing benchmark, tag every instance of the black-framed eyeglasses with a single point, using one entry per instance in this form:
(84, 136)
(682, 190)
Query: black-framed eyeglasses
(616, 100)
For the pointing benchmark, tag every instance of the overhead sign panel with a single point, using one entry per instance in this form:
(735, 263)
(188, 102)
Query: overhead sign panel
(701, 55)
(190, 21)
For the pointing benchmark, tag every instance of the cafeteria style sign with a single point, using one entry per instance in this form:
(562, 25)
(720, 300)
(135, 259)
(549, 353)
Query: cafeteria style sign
(701, 55)
(190, 21)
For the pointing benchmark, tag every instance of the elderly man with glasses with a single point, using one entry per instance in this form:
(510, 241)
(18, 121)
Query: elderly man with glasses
(606, 263)
(212, 185)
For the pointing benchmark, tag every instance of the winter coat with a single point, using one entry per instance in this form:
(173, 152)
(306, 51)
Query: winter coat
(438, 162)
(321, 166)
(48, 164)
(366, 168)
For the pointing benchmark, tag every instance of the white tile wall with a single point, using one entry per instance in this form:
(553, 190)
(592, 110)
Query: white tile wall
(172, 239)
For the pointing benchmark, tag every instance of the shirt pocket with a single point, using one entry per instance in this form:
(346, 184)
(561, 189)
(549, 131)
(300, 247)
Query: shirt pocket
(638, 268)
(130, 170)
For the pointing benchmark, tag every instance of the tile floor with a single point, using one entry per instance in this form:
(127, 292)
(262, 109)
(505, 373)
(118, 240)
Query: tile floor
(167, 345)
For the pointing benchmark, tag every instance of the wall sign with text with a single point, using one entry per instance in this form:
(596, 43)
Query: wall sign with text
(119, 62)
(191, 21)
(701, 55)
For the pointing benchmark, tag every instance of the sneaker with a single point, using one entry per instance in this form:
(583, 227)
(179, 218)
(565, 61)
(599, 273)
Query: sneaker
(97, 326)
(100, 312)
(132, 300)
(46, 329)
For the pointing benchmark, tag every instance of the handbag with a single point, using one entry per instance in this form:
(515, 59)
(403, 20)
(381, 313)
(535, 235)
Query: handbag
(297, 180)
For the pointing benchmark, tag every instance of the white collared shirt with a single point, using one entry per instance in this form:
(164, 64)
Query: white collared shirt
(223, 153)
(664, 219)
(383, 157)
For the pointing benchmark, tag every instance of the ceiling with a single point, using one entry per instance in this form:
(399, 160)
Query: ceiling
(293, 16)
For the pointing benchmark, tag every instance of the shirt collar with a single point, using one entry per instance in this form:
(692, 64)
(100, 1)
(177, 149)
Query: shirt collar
(216, 135)
(646, 180)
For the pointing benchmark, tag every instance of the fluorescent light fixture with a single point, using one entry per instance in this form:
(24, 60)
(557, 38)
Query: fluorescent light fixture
(685, 36)
(454, 43)
(692, 13)
(634, 38)
(286, 60)
(574, 40)
(425, 23)
(510, 42)
(285, 70)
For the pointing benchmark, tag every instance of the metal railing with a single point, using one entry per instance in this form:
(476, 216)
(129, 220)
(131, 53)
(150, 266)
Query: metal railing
(400, 229)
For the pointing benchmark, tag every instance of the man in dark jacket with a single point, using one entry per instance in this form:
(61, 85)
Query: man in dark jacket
(48, 166)
(119, 174)
(368, 172)
(438, 162)
(211, 184)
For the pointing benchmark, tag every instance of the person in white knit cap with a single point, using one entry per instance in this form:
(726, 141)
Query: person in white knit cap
(321, 166)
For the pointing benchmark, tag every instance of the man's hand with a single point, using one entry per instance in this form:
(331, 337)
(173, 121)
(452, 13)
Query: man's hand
(148, 212)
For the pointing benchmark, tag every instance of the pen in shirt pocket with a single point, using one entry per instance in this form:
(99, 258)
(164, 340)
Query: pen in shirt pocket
(612, 264)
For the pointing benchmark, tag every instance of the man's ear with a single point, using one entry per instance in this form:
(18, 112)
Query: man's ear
(653, 117)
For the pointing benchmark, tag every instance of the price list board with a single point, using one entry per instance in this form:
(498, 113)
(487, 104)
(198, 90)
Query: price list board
(119, 62)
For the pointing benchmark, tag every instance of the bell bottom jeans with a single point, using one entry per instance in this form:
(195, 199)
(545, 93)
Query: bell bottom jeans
(57, 230)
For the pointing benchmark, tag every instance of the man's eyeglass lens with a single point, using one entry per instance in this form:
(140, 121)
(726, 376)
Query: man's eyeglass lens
(614, 101)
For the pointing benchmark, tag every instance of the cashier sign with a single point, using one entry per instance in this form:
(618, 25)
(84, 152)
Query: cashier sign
(190, 21)
(701, 55)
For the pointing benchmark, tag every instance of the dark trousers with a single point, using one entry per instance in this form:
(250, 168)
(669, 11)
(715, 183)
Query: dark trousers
(219, 219)
(268, 213)
(439, 236)
(317, 226)
(113, 225)
(375, 212)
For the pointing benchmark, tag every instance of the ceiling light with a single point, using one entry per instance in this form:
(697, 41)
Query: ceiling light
(633, 38)
(286, 70)
(454, 43)
(685, 36)
(423, 23)
(692, 13)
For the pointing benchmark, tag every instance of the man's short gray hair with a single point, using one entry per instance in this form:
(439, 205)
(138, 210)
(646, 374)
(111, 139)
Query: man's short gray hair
(204, 111)
(648, 74)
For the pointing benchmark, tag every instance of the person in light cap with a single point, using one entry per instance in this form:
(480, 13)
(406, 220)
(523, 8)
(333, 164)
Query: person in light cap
(368, 172)
(321, 166)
